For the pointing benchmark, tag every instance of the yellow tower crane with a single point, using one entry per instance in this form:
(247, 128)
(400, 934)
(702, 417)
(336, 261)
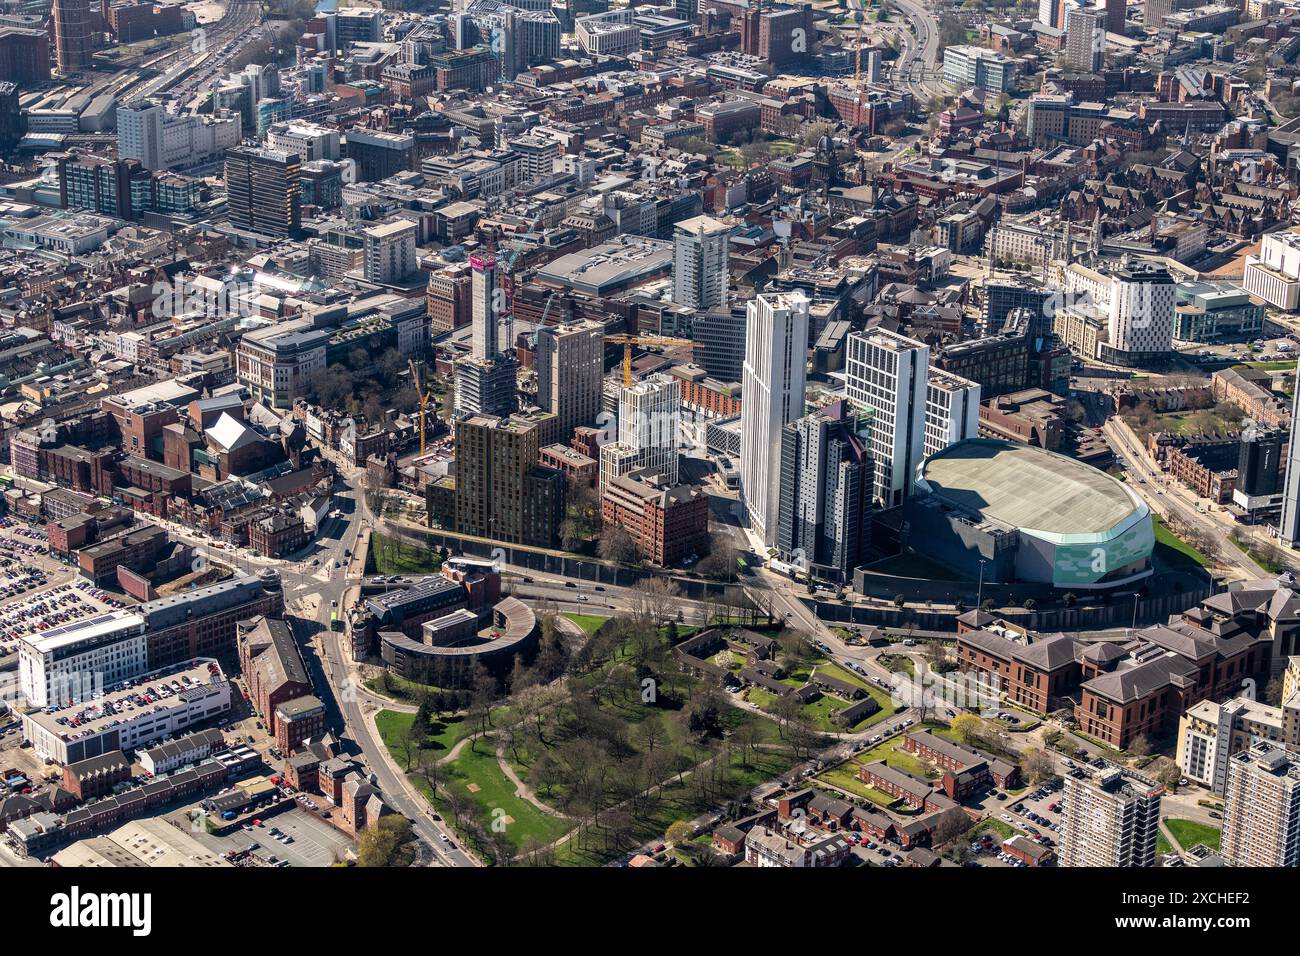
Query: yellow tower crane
(628, 341)
(423, 396)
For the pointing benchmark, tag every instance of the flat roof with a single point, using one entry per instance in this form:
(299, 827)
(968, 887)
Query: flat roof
(146, 696)
(87, 629)
(1024, 487)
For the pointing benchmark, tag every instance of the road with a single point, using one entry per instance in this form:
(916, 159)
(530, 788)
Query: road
(920, 53)
(350, 705)
(1149, 483)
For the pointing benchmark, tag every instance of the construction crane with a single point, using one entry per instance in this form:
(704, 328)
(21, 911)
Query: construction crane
(423, 396)
(627, 341)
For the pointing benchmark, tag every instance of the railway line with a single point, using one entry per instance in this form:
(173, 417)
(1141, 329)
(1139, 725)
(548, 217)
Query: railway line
(184, 69)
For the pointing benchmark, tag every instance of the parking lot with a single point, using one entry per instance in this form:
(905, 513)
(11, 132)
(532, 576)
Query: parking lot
(310, 840)
(32, 603)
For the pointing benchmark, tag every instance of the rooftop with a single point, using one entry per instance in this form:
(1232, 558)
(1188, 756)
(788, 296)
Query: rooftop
(1024, 487)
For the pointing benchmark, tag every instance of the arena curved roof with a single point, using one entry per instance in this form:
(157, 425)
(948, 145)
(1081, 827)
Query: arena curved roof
(1028, 488)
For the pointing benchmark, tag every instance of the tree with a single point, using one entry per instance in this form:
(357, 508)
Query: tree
(814, 133)
(655, 600)
(950, 826)
(900, 601)
(483, 693)
(1273, 692)
(756, 153)
(615, 544)
(381, 843)
(720, 563)
(679, 833)
(1036, 764)
(702, 146)
(1140, 746)
(1169, 776)
(967, 727)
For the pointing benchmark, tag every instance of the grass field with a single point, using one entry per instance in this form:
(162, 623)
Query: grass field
(1174, 549)
(891, 752)
(590, 623)
(400, 688)
(476, 774)
(443, 735)
(1189, 833)
(844, 777)
(390, 555)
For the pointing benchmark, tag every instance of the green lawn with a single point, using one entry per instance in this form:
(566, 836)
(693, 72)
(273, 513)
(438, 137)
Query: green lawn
(674, 805)
(898, 663)
(400, 688)
(443, 735)
(477, 775)
(845, 778)
(891, 752)
(1284, 366)
(1002, 829)
(1189, 833)
(1263, 560)
(1174, 549)
(392, 555)
(590, 623)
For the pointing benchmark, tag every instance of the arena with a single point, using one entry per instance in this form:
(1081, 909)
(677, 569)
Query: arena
(1016, 513)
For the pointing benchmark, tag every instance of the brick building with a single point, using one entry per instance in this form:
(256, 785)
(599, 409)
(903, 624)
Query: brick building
(273, 668)
(667, 524)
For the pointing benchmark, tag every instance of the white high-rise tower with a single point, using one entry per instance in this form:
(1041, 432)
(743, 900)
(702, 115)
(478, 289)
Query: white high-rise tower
(772, 396)
(700, 248)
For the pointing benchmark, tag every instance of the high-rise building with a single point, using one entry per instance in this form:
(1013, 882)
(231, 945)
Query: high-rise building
(700, 262)
(163, 140)
(1209, 733)
(24, 55)
(772, 389)
(1051, 13)
(390, 251)
(1259, 472)
(952, 410)
(1289, 527)
(649, 416)
(1142, 304)
(485, 342)
(719, 337)
(263, 190)
(1110, 818)
(1154, 13)
(972, 66)
(72, 35)
(1116, 13)
(824, 504)
(1274, 273)
(120, 187)
(484, 386)
(449, 293)
(501, 491)
(1085, 38)
(570, 364)
(1261, 812)
(888, 374)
